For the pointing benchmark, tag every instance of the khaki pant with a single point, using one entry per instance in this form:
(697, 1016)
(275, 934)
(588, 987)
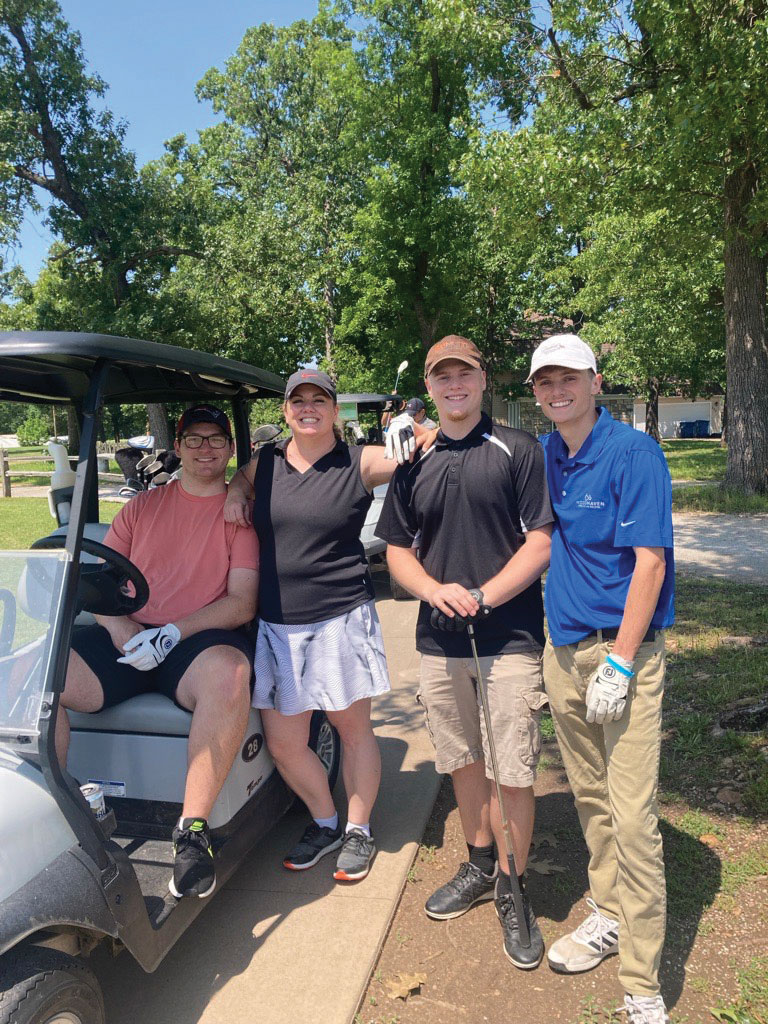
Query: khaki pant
(613, 770)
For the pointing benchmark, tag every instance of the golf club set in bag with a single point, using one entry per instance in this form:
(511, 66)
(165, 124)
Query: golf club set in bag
(144, 468)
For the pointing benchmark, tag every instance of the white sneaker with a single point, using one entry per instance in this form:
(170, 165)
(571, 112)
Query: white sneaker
(581, 950)
(645, 1010)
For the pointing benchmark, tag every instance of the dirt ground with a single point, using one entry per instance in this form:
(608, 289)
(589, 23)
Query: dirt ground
(457, 971)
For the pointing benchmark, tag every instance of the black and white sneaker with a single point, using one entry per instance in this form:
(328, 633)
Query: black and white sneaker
(194, 873)
(524, 957)
(468, 886)
(588, 945)
(355, 857)
(315, 843)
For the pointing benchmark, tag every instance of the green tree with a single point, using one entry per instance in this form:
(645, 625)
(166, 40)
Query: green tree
(659, 328)
(662, 106)
(120, 230)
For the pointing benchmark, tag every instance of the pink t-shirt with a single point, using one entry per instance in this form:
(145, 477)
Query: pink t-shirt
(184, 548)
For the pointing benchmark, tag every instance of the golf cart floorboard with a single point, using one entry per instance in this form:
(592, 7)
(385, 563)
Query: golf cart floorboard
(152, 860)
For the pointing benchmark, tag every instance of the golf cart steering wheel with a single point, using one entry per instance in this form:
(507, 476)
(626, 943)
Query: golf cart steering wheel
(102, 589)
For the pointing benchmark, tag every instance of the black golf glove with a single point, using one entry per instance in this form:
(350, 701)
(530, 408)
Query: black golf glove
(455, 623)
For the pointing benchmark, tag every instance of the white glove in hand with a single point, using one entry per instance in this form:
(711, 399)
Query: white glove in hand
(149, 648)
(607, 690)
(399, 440)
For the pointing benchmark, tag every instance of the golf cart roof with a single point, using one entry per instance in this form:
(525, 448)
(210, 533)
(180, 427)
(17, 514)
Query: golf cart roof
(56, 366)
(367, 402)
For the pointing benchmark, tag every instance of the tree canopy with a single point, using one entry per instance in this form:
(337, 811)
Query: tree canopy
(394, 170)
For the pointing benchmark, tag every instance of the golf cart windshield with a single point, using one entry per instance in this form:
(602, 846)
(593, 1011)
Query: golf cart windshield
(30, 594)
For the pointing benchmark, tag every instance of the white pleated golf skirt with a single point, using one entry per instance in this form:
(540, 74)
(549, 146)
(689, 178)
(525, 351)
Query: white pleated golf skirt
(324, 666)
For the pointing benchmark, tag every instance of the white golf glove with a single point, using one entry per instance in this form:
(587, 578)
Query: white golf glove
(607, 690)
(149, 648)
(399, 440)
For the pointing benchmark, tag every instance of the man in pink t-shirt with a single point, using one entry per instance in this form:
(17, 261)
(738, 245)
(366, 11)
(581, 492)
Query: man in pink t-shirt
(187, 641)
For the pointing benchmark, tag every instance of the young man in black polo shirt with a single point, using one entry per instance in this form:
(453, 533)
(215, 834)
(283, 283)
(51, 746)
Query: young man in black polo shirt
(478, 503)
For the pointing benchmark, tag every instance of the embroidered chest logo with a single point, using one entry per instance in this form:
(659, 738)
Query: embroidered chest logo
(589, 502)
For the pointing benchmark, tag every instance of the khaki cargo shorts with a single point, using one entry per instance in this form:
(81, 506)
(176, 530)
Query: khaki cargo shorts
(454, 716)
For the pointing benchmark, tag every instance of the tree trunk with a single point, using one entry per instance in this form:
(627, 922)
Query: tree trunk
(73, 430)
(329, 291)
(158, 425)
(746, 354)
(724, 434)
(652, 409)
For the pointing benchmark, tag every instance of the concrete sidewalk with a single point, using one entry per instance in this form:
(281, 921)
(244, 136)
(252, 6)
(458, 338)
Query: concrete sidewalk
(280, 947)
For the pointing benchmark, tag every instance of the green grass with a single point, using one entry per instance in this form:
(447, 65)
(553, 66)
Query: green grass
(23, 520)
(695, 460)
(751, 1006)
(706, 674)
(716, 498)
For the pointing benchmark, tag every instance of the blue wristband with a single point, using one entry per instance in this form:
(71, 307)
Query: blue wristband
(619, 668)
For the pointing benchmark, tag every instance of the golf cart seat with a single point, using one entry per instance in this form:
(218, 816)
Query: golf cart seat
(148, 713)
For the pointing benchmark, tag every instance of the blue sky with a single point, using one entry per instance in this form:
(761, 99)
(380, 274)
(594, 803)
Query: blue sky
(152, 53)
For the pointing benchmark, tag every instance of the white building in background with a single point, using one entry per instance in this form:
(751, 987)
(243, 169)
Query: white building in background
(674, 411)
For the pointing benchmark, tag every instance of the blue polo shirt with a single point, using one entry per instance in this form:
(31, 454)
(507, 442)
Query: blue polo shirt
(614, 495)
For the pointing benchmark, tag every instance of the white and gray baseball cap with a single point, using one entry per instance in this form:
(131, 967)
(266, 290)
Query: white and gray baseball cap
(563, 350)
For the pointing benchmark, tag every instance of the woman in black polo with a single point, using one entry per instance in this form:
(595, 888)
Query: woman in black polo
(319, 644)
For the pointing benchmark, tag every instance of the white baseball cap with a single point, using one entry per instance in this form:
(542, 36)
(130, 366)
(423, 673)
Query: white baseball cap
(563, 350)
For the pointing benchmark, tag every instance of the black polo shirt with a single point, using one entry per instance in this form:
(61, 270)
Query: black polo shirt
(467, 504)
(312, 565)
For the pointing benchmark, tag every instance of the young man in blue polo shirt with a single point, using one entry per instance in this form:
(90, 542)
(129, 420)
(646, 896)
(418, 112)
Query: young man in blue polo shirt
(609, 596)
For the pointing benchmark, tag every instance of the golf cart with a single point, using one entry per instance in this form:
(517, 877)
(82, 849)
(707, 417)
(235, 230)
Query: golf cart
(70, 879)
(350, 409)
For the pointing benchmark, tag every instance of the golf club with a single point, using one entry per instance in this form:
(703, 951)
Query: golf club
(401, 367)
(517, 896)
(389, 415)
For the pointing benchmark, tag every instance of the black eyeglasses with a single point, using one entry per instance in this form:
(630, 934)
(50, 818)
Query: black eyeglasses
(214, 440)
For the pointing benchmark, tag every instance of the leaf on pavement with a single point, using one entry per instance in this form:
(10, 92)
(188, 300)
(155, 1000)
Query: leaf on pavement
(544, 839)
(404, 984)
(545, 866)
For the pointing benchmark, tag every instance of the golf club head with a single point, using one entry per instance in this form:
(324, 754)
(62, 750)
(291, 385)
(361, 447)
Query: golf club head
(144, 462)
(159, 479)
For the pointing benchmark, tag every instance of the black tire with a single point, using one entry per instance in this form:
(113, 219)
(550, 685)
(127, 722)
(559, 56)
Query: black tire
(399, 593)
(326, 743)
(39, 985)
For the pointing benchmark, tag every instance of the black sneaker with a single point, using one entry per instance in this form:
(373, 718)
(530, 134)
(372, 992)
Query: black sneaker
(194, 873)
(524, 957)
(468, 886)
(313, 845)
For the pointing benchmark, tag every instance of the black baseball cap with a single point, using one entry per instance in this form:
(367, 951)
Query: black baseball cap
(414, 405)
(203, 414)
(310, 376)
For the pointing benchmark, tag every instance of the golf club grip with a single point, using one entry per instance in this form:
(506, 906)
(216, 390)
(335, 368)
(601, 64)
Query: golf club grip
(517, 895)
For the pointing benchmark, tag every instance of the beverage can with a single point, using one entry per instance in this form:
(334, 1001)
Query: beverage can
(94, 796)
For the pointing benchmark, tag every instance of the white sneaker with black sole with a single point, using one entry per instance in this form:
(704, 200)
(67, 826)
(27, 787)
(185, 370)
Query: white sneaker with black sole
(588, 945)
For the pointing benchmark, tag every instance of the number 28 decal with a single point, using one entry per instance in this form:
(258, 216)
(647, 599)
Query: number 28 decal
(252, 746)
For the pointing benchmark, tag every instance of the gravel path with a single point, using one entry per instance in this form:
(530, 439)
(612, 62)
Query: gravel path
(732, 547)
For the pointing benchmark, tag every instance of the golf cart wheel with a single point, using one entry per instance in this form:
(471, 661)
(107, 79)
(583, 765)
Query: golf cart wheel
(326, 743)
(399, 593)
(44, 986)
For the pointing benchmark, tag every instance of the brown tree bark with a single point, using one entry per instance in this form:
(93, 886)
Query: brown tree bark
(73, 431)
(652, 409)
(746, 349)
(158, 425)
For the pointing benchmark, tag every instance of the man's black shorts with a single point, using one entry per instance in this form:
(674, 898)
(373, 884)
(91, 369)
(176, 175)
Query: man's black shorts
(120, 682)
